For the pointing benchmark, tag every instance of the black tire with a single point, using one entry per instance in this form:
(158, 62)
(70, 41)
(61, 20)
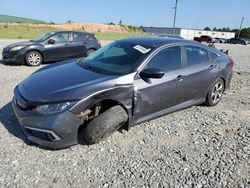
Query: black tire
(90, 51)
(33, 58)
(105, 124)
(215, 93)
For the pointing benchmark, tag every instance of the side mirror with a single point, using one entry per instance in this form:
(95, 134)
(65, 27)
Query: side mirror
(51, 41)
(152, 73)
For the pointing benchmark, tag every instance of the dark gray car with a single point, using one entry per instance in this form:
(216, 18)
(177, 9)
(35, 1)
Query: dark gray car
(52, 46)
(122, 84)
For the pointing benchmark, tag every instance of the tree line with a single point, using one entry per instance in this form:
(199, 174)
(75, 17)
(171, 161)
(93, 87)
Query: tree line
(245, 32)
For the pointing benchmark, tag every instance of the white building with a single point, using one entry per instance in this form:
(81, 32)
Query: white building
(191, 33)
(188, 33)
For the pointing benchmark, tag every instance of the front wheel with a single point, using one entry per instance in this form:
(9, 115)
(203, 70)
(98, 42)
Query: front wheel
(33, 58)
(215, 93)
(89, 52)
(105, 124)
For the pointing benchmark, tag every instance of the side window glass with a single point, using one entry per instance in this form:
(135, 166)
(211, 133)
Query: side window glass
(60, 37)
(196, 55)
(167, 60)
(78, 37)
(87, 36)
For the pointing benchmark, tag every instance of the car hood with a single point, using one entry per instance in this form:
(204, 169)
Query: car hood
(24, 43)
(64, 81)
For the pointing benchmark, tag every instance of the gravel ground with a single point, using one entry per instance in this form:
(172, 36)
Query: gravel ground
(196, 147)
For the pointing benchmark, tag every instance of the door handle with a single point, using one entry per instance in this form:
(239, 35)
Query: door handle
(179, 78)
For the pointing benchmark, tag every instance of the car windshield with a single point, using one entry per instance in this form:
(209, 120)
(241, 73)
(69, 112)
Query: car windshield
(43, 37)
(117, 58)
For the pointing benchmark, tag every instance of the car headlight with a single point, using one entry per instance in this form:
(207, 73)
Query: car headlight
(17, 48)
(53, 108)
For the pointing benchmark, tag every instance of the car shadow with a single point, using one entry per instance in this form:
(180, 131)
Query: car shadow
(2, 62)
(9, 121)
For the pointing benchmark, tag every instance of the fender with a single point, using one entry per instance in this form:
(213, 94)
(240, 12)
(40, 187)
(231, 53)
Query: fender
(122, 94)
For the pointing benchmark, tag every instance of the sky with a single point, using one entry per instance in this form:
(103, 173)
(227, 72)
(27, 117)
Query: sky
(159, 13)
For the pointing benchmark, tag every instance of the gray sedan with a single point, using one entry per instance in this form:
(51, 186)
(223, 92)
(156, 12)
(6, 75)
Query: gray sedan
(120, 85)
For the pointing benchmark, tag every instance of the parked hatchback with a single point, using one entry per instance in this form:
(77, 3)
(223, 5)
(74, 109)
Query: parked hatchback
(52, 46)
(122, 84)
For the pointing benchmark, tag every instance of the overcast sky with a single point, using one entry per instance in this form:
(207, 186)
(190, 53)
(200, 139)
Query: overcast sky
(191, 13)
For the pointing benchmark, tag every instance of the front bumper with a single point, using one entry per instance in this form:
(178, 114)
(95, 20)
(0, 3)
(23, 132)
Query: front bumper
(13, 57)
(53, 131)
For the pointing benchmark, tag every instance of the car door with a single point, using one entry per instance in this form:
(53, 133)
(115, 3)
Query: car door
(155, 95)
(77, 44)
(200, 72)
(59, 49)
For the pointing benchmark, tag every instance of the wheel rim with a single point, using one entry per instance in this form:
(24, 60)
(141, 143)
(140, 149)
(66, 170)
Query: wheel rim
(34, 59)
(217, 92)
(90, 52)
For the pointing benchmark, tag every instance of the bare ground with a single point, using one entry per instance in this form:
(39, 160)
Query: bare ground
(196, 147)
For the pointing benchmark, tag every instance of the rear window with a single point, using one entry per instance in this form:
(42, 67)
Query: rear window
(196, 55)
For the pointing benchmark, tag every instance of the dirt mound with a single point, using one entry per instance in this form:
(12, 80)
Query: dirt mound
(95, 27)
(90, 27)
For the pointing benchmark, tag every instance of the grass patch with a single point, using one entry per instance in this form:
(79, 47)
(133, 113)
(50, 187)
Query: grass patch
(27, 32)
(22, 32)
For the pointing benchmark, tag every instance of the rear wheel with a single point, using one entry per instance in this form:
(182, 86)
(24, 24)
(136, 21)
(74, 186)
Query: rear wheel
(105, 124)
(33, 58)
(215, 93)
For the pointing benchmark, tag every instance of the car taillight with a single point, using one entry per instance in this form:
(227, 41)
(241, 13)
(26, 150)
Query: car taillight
(231, 63)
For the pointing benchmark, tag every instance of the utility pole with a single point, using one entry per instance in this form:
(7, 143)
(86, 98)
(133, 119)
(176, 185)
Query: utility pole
(242, 19)
(175, 10)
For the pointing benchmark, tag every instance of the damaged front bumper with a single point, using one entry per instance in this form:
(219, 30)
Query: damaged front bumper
(53, 131)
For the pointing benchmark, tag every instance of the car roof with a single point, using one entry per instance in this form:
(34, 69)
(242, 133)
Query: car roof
(155, 42)
(60, 31)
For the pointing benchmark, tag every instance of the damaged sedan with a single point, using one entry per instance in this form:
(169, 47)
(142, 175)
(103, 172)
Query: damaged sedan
(120, 85)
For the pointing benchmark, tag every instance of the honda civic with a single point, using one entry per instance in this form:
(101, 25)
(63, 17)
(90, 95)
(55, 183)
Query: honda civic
(120, 85)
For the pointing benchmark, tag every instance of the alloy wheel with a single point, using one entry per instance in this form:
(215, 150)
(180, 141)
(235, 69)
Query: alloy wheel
(217, 92)
(34, 59)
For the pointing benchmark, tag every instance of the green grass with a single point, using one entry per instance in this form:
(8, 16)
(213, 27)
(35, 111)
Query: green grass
(22, 32)
(27, 32)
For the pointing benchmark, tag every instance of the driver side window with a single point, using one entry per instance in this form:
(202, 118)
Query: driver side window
(60, 38)
(166, 60)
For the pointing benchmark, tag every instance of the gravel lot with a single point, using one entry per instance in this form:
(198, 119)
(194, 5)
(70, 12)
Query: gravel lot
(196, 147)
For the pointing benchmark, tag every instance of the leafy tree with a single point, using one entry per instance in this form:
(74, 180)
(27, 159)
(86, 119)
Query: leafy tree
(69, 21)
(207, 29)
(245, 33)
